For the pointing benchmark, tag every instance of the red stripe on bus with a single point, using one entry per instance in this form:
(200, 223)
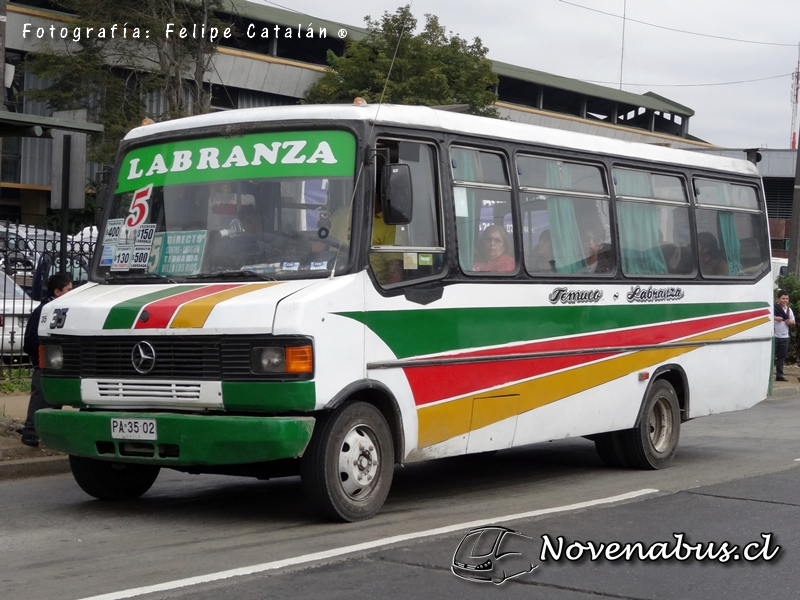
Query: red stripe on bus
(161, 312)
(434, 383)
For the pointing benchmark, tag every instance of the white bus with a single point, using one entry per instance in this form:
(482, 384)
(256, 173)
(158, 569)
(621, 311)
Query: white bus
(333, 290)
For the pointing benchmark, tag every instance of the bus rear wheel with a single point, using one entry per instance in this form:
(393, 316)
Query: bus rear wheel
(106, 480)
(348, 466)
(653, 442)
(611, 448)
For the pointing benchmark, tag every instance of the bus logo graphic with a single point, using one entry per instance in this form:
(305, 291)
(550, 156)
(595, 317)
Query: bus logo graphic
(143, 357)
(491, 554)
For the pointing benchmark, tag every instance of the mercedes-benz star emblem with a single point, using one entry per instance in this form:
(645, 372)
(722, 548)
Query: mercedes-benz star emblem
(143, 357)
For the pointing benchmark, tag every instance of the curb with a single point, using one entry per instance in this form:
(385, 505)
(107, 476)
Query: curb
(785, 391)
(34, 467)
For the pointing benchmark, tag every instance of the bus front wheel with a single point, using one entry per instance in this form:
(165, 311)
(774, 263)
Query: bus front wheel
(106, 480)
(347, 468)
(653, 442)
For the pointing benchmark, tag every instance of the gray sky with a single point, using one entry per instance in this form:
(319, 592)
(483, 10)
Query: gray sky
(564, 39)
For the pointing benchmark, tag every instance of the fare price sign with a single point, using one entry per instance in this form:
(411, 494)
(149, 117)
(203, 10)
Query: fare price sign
(122, 258)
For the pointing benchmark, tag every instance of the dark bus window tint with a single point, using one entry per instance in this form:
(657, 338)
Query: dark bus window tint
(655, 239)
(478, 167)
(494, 171)
(546, 173)
(485, 230)
(730, 244)
(641, 184)
(566, 235)
(721, 193)
(667, 187)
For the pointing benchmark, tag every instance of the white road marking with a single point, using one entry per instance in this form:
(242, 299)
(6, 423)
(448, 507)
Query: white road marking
(307, 558)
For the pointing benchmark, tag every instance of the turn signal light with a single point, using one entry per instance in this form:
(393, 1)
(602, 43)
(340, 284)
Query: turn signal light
(299, 359)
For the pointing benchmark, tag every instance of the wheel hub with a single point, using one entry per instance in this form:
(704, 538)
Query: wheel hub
(660, 425)
(358, 461)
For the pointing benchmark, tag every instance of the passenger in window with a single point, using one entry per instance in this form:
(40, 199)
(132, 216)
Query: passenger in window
(388, 267)
(677, 258)
(542, 259)
(598, 250)
(712, 259)
(494, 248)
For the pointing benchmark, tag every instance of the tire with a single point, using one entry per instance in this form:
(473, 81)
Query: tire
(106, 480)
(611, 449)
(348, 466)
(653, 442)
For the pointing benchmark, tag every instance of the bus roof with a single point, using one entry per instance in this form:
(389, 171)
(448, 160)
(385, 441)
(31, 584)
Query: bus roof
(430, 119)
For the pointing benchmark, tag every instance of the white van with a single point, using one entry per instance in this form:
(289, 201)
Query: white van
(780, 268)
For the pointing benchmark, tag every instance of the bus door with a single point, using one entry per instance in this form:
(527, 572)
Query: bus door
(406, 263)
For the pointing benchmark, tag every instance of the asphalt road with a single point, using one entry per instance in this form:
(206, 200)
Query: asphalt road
(733, 479)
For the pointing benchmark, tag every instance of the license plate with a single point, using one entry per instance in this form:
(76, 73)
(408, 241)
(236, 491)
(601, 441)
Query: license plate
(133, 429)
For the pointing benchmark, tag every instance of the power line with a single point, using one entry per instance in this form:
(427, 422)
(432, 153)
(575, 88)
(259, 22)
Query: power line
(718, 37)
(691, 84)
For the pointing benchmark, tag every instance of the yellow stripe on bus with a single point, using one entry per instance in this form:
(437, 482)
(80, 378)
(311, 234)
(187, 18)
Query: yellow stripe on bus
(444, 421)
(195, 313)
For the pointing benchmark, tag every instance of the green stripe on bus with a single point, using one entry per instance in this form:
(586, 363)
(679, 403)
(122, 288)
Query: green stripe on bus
(123, 315)
(62, 391)
(421, 332)
(269, 395)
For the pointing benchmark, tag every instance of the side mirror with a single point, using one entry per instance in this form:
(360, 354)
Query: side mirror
(397, 199)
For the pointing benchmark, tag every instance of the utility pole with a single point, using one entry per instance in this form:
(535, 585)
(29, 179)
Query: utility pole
(3, 13)
(795, 98)
(794, 232)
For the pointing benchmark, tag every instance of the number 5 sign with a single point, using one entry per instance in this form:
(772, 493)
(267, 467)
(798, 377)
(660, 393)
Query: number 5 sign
(139, 206)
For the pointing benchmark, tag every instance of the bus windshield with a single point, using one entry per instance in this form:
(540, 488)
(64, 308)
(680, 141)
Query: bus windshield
(259, 204)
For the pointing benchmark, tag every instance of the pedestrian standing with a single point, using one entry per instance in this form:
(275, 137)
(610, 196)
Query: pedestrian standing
(784, 319)
(57, 285)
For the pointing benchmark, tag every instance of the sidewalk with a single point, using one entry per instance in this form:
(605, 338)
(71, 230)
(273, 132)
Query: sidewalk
(782, 389)
(19, 461)
(14, 406)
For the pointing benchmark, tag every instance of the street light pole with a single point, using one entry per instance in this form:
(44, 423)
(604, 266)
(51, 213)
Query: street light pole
(3, 13)
(794, 230)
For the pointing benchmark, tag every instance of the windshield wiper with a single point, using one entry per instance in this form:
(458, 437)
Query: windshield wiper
(227, 274)
(131, 277)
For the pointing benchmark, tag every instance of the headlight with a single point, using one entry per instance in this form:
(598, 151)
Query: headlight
(268, 360)
(51, 357)
(279, 359)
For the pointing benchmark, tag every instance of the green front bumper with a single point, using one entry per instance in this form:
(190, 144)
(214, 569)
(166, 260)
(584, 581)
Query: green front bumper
(182, 439)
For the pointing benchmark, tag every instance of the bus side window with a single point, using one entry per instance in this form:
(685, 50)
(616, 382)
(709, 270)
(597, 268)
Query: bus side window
(484, 221)
(404, 253)
(728, 214)
(654, 230)
(566, 217)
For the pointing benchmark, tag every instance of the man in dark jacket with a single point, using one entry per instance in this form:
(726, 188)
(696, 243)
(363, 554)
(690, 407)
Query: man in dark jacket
(57, 285)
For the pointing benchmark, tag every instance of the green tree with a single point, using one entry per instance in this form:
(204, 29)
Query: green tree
(429, 68)
(789, 283)
(112, 75)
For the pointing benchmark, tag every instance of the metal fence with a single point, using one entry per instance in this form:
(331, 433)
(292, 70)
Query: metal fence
(28, 257)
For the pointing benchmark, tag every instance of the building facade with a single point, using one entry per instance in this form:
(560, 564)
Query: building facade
(251, 71)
